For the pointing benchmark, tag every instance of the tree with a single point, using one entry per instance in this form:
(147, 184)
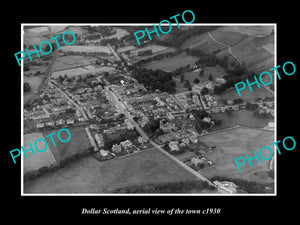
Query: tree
(196, 81)
(201, 72)
(26, 68)
(182, 78)
(27, 87)
(204, 91)
(211, 78)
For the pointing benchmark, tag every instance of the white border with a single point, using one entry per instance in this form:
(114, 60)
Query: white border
(150, 24)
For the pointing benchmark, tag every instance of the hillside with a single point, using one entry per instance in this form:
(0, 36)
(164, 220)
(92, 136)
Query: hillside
(252, 45)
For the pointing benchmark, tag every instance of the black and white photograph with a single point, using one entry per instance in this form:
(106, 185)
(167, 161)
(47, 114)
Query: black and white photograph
(127, 111)
(109, 112)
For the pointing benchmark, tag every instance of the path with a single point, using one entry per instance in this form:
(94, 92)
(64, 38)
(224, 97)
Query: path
(229, 48)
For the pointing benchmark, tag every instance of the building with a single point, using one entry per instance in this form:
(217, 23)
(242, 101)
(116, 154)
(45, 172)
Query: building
(99, 139)
(196, 161)
(174, 146)
(116, 148)
(126, 144)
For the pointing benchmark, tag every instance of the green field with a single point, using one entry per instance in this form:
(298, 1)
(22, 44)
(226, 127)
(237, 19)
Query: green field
(78, 143)
(71, 61)
(240, 117)
(246, 94)
(252, 45)
(172, 63)
(40, 159)
(91, 176)
(233, 143)
(137, 58)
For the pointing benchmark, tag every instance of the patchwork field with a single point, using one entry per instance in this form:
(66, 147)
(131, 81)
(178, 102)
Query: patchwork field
(78, 143)
(240, 117)
(233, 143)
(171, 64)
(91, 176)
(253, 45)
(40, 159)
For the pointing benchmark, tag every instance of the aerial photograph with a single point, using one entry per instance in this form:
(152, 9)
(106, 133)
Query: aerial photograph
(107, 114)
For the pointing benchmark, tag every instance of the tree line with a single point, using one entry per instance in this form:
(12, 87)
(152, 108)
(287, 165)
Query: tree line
(31, 175)
(248, 186)
(171, 187)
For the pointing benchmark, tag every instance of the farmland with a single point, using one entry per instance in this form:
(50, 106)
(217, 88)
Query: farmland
(81, 48)
(234, 143)
(253, 45)
(91, 176)
(71, 61)
(82, 70)
(40, 159)
(79, 142)
(247, 95)
(171, 64)
(34, 82)
(240, 117)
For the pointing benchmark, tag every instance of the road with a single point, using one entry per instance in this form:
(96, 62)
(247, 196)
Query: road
(73, 102)
(229, 48)
(123, 109)
(113, 51)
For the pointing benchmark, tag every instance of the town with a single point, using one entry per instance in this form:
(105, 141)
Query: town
(119, 103)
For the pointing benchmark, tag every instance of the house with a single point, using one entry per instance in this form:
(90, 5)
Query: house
(167, 127)
(103, 153)
(193, 139)
(141, 140)
(70, 121)
(126, 144)
(185, 141)
(99, 139)
(50, 124)
(174, 146)
(196, 160)
(40, 125)
(206, 119)
(116, 148)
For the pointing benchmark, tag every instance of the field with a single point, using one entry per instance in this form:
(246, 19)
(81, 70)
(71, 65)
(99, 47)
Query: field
(240, 117)
(87, 49)
(137, 58)
(171, 64)
(34, 82)
(91, 176)
(40, 159)
(82, 70)
(71, 61)
(253, 45)
(78, 143)
(233, 143)
(246, 94)
(215, 71)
